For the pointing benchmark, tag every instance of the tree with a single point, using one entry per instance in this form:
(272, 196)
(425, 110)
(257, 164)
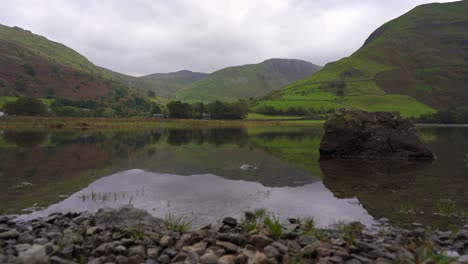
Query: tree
(151, 93)
(26, 106)
(50, 92)
(177, 109)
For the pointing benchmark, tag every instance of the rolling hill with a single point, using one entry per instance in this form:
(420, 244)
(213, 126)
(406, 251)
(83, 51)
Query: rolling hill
(413, 64)
(253, 80)
(31, 65)
(162, 84)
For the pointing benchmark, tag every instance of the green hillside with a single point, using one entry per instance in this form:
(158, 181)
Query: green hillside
(31, 65)
(413, 64)
(162, 84)
(48, 49)
(253, 80)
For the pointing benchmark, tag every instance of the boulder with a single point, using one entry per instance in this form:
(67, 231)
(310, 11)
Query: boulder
(126, 216)
(352, 133)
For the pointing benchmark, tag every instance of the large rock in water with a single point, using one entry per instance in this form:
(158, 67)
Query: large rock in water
(126, 216)
(352, 133)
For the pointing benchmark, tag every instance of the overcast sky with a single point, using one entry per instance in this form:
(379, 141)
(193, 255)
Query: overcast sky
(139, 37)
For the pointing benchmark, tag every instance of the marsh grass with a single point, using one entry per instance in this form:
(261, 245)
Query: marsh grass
(273, 225)
(349, 231)
(177, 223)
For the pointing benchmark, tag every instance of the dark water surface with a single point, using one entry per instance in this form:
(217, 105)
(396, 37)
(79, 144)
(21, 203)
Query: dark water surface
(199, 173)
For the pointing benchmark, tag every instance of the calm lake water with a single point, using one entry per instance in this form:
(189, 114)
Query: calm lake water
(202, 174)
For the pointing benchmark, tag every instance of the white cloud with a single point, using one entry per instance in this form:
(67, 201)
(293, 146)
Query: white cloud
(147, 36)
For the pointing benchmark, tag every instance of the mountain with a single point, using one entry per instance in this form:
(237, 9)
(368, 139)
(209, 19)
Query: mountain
(413, 64)
(31, 65)
(253, 80)
(162, 84)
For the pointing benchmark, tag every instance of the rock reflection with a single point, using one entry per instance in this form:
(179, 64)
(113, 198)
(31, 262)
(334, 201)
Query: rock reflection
(403, 191)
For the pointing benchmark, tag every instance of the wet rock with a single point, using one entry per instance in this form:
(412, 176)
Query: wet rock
(230, 221)
(126, 216)
(352, 133)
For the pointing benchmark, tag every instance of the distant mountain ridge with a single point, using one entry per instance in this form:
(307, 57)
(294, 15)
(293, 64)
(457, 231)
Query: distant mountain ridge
(413, 64)
(163, 84)
(252, 80)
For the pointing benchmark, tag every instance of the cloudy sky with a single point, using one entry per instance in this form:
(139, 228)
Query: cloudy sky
(146, 36)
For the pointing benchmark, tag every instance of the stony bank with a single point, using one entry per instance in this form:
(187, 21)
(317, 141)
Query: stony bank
(128, 235)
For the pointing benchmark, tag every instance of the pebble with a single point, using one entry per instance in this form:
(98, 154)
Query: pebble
(38, 242)
(260, 241)
(209, 258)
(35, 254)
(230, 221)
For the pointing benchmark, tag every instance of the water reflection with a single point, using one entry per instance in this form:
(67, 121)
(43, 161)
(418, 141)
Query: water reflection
(25, 139)
(208, 198)
(54, 164)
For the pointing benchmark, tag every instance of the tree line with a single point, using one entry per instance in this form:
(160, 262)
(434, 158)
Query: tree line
(215, 110)
(26, 106)
(452, 115)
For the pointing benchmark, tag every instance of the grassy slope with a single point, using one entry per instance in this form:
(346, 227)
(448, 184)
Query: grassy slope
(253, 80)
(164, 85)
(396, 69)
(49, 50)
(31, 65)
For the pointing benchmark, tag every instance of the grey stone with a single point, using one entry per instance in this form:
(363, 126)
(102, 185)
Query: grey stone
(232, 222)
(271, 252)
(463, 259)
(280, 246)
(126, 216)
(198, 248)
(227, 259)
(228, 246)
(36, 254)
(41, 241)
(9, 234)
(166, 241)
(209, 258)
(260, 241)
(136, 259)
(237, 239)
(152, 253)
(22, 247)
(93, 230)
(59, 260)
(163, 259)
(137, 250)
(120, 249)
(120, 259)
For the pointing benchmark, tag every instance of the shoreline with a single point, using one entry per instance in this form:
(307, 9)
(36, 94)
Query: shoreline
(129, 235)
(60, 123)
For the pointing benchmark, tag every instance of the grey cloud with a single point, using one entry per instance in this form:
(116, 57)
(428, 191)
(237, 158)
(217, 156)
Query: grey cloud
(146, 36)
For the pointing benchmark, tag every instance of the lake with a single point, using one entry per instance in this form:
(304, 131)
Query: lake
(206, 174)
